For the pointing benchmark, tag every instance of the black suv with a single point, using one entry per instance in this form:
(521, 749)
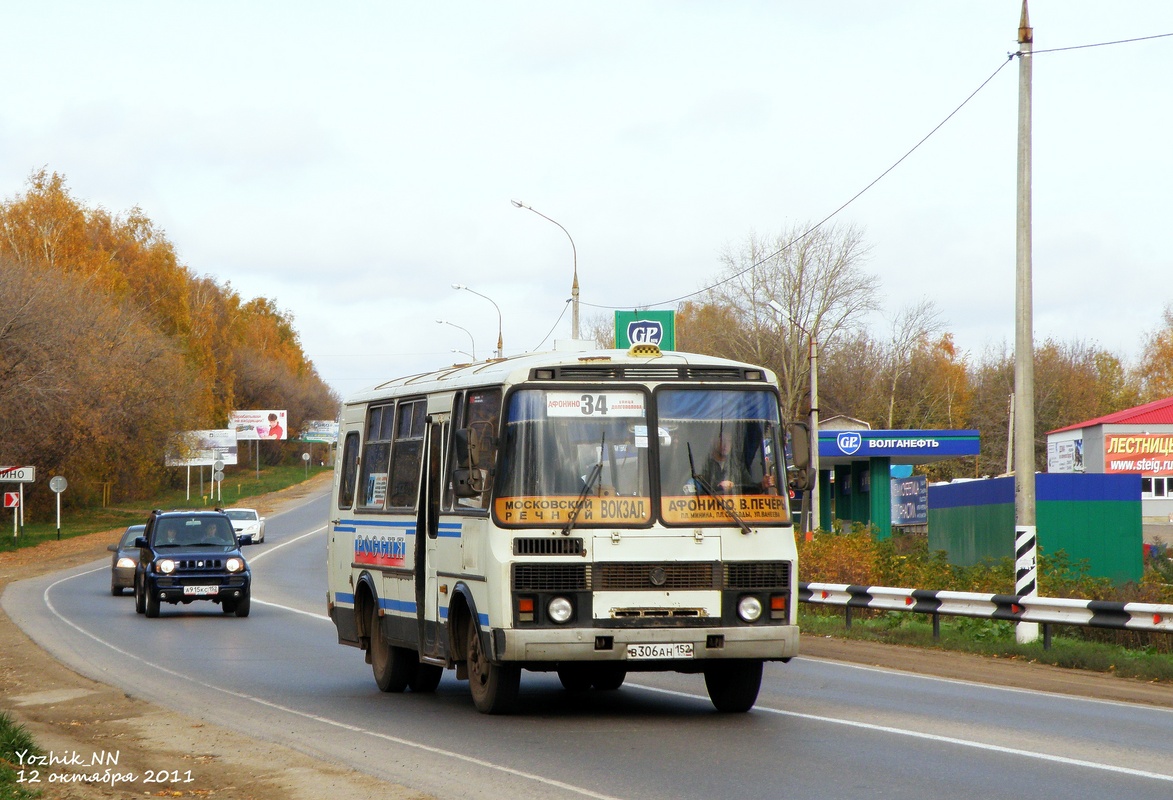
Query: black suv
(191, 555)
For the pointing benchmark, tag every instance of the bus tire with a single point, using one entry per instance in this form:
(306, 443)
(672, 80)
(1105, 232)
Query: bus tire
(426, 678)
(575, 677)
(494, 687)
(608, 677)
(733, 685)
(391, 666)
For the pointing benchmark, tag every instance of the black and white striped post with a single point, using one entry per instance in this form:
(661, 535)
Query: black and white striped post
(1026, 577)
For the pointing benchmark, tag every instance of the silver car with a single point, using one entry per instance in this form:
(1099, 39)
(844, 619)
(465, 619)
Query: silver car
(247, 520)
(124, 558)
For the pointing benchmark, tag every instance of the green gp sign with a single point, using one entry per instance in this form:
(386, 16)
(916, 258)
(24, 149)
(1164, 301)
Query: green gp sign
(645, 327)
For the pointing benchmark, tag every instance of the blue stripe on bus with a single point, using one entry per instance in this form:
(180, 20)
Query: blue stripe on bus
(342, 598)
(402, 606)
(408, 525)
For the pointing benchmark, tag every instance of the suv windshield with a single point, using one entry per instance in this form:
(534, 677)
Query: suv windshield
(215, 531)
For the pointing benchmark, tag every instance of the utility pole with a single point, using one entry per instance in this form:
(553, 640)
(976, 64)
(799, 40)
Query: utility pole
(1025, 540)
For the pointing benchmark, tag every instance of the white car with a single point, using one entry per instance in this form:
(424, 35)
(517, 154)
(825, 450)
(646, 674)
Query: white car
(247, 520)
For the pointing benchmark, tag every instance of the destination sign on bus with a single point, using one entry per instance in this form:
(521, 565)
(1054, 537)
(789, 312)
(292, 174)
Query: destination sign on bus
(752, 508)
(559, 509)
(594, 404)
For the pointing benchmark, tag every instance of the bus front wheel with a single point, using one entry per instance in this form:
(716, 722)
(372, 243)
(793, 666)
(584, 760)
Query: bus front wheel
(494, 687)
(733, 685)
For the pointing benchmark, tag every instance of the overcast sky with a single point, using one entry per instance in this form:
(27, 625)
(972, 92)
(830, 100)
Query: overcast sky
(352, 161)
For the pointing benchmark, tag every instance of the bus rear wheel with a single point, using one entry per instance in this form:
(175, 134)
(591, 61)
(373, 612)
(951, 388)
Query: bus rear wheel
(494, 687)
(733, 685)
(391, 666)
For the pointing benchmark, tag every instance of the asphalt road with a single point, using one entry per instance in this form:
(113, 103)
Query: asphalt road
(821, 729)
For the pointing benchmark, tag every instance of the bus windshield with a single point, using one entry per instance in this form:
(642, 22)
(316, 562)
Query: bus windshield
(585, 458)
(575, 457)
(720, 457)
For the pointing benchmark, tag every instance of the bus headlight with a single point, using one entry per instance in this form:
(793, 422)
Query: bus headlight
(560, 610)
(166, 566)
(234, 565)
(749, 608)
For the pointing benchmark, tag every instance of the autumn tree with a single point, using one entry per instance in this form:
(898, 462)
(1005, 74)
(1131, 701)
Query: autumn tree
(815, 278)
(108, 345)
(1153, 377)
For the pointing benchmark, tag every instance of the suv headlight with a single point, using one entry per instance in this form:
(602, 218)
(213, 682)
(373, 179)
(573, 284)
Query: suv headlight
(234, 564)
(165, 565)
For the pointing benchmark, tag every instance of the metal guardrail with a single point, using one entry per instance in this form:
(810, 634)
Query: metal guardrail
(1046, 611)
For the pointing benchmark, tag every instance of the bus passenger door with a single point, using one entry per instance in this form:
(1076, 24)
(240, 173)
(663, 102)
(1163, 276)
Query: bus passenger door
(427, 538)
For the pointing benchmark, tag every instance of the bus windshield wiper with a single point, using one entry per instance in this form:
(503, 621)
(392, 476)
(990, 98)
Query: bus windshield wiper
(588, 484)
(707, 489)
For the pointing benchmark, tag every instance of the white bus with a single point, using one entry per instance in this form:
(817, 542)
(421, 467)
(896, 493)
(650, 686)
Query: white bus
(586, 513)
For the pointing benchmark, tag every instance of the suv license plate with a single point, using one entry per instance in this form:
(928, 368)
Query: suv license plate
(643, 652)
(201, 589)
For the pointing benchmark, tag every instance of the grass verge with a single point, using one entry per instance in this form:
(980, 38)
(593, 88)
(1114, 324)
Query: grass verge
(991, 638)
(236, 489)
(15, 743)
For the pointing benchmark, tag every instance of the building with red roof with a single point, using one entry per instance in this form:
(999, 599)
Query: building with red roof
(1135, 440)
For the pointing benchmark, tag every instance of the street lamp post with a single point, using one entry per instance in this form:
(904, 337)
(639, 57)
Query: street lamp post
(500, 342)
(814, 457)
(574, 254)
(473, 354)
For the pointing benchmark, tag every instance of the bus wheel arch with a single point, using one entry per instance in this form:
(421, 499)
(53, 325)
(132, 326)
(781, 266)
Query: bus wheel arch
(366, 603)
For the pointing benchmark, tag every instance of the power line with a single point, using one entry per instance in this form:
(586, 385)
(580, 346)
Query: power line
(881, 176)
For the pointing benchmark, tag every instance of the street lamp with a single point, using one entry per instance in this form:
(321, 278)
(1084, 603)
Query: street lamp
(574, 253)
(814, 354)
(473, 354)
(500, 344)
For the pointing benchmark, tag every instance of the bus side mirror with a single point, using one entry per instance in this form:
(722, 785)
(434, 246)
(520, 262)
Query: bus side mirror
(798, 472)
(468, 480)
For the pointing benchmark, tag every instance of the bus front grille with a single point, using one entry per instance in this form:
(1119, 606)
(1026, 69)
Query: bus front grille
(757, 574)
(656, 576)
(551, 577)
(562, 546)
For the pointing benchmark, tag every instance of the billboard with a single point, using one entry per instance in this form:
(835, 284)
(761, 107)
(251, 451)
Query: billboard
(645, 327)
(319, 430)
(910, 500)
(201, 448)
(266, 424)
(1149, 453)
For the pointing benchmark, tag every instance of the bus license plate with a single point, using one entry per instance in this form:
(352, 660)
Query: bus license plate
(200, 589)
(643, 652)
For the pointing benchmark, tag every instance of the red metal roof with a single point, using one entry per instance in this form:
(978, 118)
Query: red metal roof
(1158, 412)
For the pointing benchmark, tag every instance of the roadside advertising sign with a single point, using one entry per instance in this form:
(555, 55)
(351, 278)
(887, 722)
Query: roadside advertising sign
(201, 448)
(262, 424)
(18, 474)
(319, 430)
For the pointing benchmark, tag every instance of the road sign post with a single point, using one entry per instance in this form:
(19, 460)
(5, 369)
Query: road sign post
(12, 500)
(58, 484)
(21, 475)
(218, 479)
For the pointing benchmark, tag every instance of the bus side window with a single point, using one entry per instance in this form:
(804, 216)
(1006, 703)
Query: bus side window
(405, 459)
(480, 413)
(376, 455)
(349, 471)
